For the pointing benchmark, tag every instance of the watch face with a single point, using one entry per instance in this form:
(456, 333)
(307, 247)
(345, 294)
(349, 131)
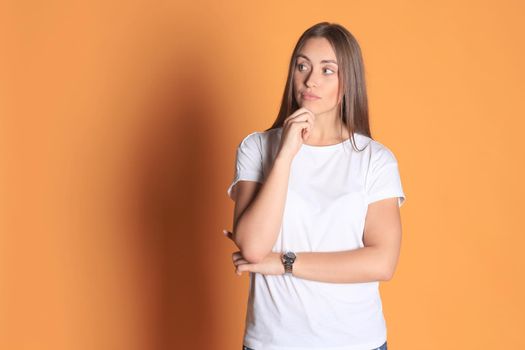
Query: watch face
(290, 255)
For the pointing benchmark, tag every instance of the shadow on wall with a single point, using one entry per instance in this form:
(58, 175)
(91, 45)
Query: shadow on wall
(172, 169)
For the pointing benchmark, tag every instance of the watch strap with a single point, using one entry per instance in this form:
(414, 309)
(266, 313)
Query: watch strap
(288, 262)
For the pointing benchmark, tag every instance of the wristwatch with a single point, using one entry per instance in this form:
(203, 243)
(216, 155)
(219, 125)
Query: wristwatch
(288, 259)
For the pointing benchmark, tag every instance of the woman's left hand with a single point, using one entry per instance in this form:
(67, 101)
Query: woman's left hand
(270, 265)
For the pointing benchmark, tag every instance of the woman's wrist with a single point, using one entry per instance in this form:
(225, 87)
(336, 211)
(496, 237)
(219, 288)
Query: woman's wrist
(280, 262)
(283, 158)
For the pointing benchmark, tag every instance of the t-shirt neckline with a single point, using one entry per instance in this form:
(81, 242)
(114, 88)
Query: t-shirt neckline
(328, 147)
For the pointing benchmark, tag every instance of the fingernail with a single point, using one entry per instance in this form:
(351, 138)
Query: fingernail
(224, 232)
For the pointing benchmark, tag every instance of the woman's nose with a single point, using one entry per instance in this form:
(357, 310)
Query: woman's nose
(311, 79)
(310, 82)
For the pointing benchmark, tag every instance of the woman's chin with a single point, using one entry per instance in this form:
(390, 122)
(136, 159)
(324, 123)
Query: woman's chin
(308, 106)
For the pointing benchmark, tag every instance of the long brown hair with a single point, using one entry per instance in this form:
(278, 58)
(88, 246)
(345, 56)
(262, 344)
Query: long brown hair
(353, 106)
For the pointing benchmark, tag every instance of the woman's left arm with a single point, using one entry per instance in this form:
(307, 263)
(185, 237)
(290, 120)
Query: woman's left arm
(376, 261)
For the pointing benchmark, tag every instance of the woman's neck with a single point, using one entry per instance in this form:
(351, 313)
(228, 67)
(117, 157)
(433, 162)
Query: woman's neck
(327, 130)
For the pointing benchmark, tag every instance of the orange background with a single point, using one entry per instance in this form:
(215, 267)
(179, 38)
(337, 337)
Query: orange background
(119, 123)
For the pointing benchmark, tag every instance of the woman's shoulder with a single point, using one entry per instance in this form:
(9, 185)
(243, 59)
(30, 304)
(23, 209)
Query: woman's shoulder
(374, 150)
(380, 153)
(263, 137)
(261, 141)
(263, 133)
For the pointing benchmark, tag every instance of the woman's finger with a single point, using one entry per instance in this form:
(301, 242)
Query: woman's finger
(298, 112)
(239, 269)
(228, 234)
(239, 262)
(236, 255)
(305, 116)
(301, 116)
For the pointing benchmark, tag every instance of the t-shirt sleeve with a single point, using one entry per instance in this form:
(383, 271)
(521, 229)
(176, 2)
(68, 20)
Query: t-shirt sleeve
(383, 179)
(248, 162)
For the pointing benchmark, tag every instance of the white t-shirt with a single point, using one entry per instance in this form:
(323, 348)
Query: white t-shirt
(329, 190)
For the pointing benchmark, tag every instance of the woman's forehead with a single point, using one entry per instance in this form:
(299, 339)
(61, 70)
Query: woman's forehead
(318, 50)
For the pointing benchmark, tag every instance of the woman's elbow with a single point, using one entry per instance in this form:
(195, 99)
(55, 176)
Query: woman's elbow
(252, 259)
(388, 273)
(253, 252)
(253, 255)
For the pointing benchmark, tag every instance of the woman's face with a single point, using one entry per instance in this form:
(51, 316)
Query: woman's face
(316, 73)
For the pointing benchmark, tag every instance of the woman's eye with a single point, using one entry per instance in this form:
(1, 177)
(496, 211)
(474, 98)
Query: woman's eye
(299, 66)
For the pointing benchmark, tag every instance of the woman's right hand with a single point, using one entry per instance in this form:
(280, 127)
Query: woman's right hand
(297, 127)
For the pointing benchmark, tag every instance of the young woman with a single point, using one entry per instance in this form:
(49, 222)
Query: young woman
(317, 200)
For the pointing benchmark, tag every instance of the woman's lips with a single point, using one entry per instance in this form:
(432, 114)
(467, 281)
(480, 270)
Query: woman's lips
(310, 97)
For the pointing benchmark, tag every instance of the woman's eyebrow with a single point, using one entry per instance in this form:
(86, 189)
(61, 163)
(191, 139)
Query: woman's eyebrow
(323, 61)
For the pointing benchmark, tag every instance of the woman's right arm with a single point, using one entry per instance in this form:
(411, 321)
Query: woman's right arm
(257, 227)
